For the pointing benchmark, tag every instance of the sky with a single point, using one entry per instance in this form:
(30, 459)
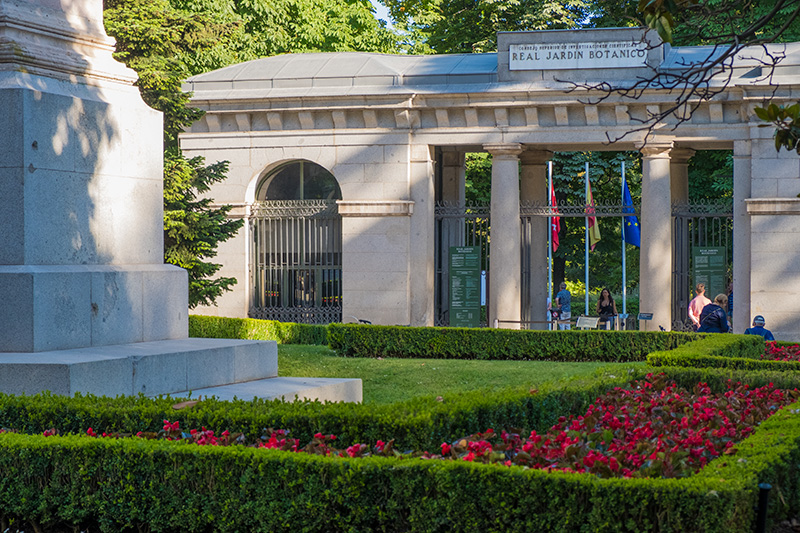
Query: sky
(381, 12)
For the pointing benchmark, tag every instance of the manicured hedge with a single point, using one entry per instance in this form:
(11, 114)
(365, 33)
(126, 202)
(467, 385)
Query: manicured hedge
(421, 423)
(741, 352)
(61, 482)
(58, 483)
(355, 340)
(260, 330)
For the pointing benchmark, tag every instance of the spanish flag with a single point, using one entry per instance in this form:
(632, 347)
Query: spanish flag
(555, 222)
(594, 226)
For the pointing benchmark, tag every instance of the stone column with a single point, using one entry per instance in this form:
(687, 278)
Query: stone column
(504, 254)
(741, 236)
(533, 188)
(421, 237)
(679, 174)
(655, 265)
(453, 176)
(679, 186)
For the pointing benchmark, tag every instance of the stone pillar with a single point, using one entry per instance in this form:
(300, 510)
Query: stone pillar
(81, 252)
(679, 174)
(533, 188)
(655, 264)
(679, 186)
(504, 254)
(453, 176)
(774, 236)
(741, 236)
(421, 237)
(88, 303)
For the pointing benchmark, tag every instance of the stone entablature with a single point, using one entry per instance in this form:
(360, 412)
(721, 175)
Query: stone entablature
(433, 113)
(375, 208)
(773, 206)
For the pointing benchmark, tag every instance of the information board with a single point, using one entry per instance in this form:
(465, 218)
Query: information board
(465, 286)
(710, 266)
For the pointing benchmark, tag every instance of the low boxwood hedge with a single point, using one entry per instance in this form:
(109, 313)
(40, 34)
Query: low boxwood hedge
(57, 483)
(741, 352)
(356, 340)
(421, 423)
(254, 329)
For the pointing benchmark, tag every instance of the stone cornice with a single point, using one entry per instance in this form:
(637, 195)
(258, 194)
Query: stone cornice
(655, 149)
(504, 150)
(37, 40)
(459, 113)
(375, 208)
(773, 206)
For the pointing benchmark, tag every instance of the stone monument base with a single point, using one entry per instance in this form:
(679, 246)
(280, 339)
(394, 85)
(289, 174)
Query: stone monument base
(209, 367)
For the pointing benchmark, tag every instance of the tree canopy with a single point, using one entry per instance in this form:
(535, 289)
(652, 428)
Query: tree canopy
(465, 26)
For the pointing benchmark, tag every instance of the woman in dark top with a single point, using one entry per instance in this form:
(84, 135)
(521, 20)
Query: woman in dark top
(606, 308)
(713, 318)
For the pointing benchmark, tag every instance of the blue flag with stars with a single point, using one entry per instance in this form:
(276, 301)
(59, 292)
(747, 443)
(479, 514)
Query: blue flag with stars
(630, 224)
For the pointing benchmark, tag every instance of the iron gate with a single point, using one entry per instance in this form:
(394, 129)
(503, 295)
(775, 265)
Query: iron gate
(469, 225)
(696, 224)
(296, 261)
(457, 225)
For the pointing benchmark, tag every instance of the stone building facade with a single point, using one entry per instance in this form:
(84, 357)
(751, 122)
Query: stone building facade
(393, 131)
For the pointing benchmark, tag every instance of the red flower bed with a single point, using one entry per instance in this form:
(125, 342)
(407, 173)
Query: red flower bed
(773, 352)
(652, 429)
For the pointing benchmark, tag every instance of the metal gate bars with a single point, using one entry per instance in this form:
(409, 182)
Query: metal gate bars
(696, 224)
(296, 261)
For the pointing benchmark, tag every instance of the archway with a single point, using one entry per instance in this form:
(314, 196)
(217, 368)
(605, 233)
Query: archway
(296, 245)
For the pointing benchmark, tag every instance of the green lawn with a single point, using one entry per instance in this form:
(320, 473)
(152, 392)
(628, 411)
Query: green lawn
(391, 380)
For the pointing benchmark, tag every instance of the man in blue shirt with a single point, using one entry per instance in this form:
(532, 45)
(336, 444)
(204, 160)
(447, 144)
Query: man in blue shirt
(759, 329)
(563, 301)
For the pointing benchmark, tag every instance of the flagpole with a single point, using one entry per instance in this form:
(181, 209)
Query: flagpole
(586, 246)
(550, 235)
(622, 235)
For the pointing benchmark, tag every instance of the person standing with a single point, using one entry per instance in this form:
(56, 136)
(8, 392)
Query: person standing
(564, 303)
(713, 319)
(606, 309)
(697, 304)
(759, 329)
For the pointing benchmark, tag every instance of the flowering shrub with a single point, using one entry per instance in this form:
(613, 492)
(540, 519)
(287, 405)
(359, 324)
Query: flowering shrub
(652, 429)
(773, 352)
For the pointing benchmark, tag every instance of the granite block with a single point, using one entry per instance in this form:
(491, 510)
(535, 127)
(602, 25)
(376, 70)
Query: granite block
(165, 296)
(117, 314)
(256, 362)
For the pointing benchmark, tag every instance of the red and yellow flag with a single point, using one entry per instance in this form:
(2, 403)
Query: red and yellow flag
(555, 222)
(594, 226)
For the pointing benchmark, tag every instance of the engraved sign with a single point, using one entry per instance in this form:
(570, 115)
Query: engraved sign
(554, 56)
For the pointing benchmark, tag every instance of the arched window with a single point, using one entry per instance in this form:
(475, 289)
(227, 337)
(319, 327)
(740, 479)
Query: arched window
(296, 254)
(299, 180)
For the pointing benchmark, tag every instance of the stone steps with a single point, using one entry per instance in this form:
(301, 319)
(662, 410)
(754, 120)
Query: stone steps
(288, 389)
(221, 367)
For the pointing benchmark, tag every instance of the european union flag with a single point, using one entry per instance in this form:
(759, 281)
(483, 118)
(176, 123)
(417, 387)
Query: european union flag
(630, 224)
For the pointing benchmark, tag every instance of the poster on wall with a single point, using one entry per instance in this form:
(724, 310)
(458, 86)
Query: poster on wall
(709, 266)
(465, 286)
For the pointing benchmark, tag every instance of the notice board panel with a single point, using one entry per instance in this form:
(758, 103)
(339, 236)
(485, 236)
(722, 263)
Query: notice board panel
(710, 266)
(465, 286)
